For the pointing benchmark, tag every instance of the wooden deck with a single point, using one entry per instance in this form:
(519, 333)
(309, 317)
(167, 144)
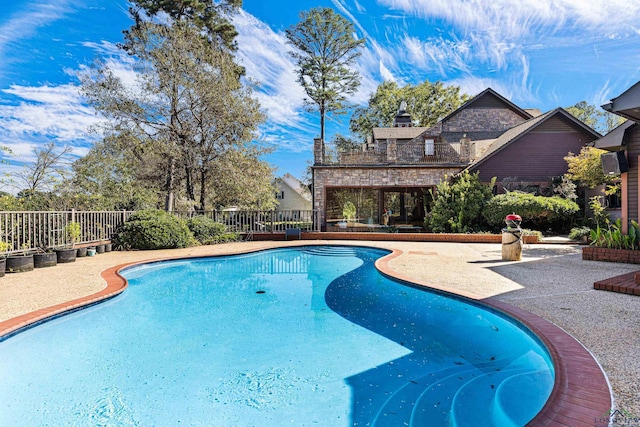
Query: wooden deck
(624, 284)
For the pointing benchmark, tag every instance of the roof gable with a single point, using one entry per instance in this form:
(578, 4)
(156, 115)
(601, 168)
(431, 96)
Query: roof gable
(489, 98)
(626, 104)
(296, 185)
(615, 140)
(517, 132)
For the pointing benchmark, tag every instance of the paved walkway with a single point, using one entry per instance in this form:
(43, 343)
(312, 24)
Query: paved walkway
(552, 281)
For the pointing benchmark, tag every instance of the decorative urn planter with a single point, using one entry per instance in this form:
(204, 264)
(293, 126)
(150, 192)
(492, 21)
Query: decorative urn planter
(91, 251)
(81, 252)
(19, 263)
(47, 259)
(99, 249)
(66, 255)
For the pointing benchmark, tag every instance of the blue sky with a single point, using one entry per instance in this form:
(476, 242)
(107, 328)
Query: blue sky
(537, 53)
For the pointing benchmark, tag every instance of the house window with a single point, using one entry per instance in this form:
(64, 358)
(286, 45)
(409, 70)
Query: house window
(280, 195)
(614, 200)
(429, 147)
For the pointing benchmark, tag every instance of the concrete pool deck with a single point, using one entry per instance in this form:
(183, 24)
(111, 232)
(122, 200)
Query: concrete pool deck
(552, 281)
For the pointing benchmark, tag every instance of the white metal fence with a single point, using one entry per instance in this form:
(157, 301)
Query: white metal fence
(28, 230)
(25, 230)
(261, 221)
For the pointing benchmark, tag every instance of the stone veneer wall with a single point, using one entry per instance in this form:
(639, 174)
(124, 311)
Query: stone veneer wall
(373, 177)
(482, 120)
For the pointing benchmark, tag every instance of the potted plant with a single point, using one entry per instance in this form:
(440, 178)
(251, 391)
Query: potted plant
(45, 258)
(72, 234)
(20, 262)
(4, 247)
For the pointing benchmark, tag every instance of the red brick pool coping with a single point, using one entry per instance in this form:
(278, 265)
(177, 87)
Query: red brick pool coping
(580, 396)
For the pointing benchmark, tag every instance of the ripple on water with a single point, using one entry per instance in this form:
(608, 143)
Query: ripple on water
(109, 410)
(269, 389)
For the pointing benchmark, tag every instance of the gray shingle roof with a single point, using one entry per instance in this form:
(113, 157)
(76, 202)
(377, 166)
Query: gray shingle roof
(398, 133)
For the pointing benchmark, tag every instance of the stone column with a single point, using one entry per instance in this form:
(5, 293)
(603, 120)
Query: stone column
(318, 151)
(392, 151)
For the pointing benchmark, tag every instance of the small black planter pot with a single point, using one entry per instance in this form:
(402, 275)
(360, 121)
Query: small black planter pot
(3, 266)
(107, 247)
(48, 259)
(19, 264)
(81, 252)
(66, 255)
(99, 249)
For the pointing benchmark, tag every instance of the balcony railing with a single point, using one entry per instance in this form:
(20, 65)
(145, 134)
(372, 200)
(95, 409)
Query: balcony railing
(404, 154)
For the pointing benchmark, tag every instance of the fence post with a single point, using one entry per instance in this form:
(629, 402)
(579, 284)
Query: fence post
(272, 222)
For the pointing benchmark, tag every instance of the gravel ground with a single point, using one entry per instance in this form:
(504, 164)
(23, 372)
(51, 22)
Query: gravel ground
(551, 281)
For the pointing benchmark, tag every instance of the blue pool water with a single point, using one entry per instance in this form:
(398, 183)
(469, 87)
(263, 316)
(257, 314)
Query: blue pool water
(310, 336)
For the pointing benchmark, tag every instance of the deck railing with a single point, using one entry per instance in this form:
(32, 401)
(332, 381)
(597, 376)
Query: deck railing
(27, 231)
(404, 154)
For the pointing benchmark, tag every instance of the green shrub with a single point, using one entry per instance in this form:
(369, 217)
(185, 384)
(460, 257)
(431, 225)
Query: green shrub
(537, 212)
(458, 205)
(578, 233)
(154, 229)
(207, 231)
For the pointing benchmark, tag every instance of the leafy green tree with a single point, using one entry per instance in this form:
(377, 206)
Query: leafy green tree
(243, 180)
(586, 168)
(325, 49)
(207, 15)
(344, 143)
(112, 177)
(426, 102)
(458, 204)
(187, 109)
(594, 117)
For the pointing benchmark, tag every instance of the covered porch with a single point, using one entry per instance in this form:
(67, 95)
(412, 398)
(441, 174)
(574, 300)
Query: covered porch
(393, 209)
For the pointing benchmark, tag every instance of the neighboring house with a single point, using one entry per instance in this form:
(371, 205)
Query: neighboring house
(624, 142)
(292, 194)
(391, 179)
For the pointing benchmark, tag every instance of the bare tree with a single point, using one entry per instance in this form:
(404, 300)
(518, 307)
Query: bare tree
(46, 171)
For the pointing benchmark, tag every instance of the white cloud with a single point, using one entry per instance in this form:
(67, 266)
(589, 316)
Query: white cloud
(54, 112)
(25, 23)
(264, 54)
(508, 19)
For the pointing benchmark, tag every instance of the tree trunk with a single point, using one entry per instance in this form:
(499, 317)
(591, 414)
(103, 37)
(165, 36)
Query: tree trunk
(203, 189)
(322, 114)
(188, 173)
(168, 203)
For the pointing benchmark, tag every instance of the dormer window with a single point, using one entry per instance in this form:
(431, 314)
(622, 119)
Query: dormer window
(429, 147)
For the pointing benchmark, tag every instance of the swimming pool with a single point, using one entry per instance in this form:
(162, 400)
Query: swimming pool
(305, 336)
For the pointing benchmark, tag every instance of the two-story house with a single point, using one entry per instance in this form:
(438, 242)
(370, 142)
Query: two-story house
(390, 180)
